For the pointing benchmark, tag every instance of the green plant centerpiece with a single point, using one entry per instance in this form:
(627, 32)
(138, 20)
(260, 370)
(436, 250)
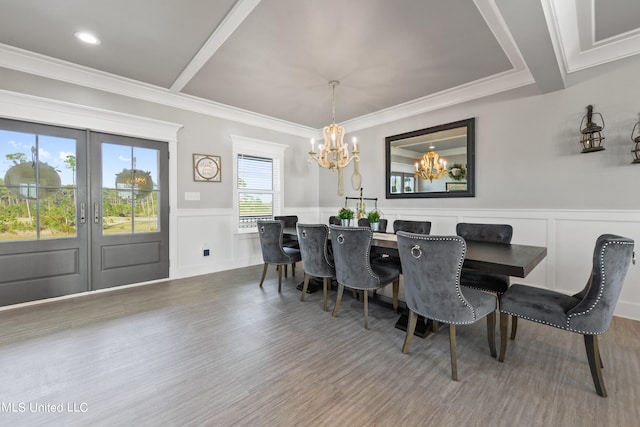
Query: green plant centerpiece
(457, 172)
(345, 213)
(373, 216)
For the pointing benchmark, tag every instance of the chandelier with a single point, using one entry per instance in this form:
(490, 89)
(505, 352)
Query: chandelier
(431, 167)
(334, 153)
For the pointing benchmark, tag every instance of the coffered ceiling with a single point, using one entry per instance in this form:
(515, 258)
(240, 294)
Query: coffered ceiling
(272, 59)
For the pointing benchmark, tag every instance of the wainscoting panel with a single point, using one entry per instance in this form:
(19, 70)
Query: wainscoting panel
(568, 235)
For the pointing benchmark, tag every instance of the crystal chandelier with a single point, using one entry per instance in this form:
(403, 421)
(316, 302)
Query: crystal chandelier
(334, 153)
(431, 167)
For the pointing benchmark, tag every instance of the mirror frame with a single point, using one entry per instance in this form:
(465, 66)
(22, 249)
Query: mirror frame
(471, 155)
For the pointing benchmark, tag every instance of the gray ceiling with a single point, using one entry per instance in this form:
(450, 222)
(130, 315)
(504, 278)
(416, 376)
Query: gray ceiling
(275, 57)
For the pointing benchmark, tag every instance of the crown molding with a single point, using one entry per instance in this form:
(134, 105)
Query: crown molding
(467, 92)
(44, 66)
(564, 15)
(20, 106)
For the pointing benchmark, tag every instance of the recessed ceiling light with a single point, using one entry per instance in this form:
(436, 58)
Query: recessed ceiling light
(87, 37)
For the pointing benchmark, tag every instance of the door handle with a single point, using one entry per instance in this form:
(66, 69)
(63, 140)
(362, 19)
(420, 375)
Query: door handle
(96, 213)
(83, 213)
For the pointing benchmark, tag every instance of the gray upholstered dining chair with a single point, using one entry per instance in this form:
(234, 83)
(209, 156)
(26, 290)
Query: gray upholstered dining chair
(334, 220)
(273, 252)
(484, 280)
(588, 312)
(418, 227)
(317, 259)
(431, 267)
(288, 221)
(354, 268)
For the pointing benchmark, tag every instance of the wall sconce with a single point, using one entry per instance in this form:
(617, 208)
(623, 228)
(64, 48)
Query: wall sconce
(592, 137)
(635, 137)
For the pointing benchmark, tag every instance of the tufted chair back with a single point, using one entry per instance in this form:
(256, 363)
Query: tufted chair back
(270, 233)
(417, 227)
(334, 220)
(492, 233)
(351, 249)
(431, 266)
(287, 220)
(588, 312)
(317, 260)
(611, 258)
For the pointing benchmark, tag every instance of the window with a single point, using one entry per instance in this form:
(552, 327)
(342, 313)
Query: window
(258, 181)
(255, 189)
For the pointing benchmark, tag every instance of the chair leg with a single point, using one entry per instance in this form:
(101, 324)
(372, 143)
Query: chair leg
(434, 326)
(593, 354)
(285, 270)
(514, 327)
(411, 328)
(293, 269)
(338, 299)
(452, 349)
(305, 285)
(396, 289)
(365, 297)
(280, 279)
(264, 273)
(504, 325)
(325, 288)
(491, 332)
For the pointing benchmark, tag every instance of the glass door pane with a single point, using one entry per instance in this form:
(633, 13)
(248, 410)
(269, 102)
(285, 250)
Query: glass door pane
(38, 188)
(129, 189)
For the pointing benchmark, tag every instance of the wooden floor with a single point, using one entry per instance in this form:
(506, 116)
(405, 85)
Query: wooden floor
(217, 350)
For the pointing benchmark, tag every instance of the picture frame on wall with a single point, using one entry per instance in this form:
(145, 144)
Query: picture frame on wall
(207, 168)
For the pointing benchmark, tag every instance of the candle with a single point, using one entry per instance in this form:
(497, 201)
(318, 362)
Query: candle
(355, 147)
(312, 142)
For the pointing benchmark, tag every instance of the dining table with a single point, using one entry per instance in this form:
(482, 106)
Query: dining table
(509, 259)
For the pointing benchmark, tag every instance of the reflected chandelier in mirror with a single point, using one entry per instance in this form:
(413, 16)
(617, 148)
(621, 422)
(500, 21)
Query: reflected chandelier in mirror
(434, 162)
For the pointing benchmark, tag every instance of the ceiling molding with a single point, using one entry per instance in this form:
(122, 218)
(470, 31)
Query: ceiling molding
(44, 66)
(240, 11)
(565, 15)
(468, 92)
(20, 106)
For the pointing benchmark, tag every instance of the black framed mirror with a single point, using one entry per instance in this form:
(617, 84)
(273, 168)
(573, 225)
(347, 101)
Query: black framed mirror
(434, 162)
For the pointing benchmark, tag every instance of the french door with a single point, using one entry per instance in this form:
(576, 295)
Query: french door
(79, 211)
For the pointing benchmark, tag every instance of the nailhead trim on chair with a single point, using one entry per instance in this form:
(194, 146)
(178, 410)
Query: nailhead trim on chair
(326, 253)
(604, 248)
(460, 262)
(371, 273)
(567, 327)
(283, 252)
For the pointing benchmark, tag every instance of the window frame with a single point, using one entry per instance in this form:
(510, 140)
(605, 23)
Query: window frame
(259, 148)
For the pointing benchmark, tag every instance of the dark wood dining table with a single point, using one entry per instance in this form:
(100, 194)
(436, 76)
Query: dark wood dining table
(508, 259)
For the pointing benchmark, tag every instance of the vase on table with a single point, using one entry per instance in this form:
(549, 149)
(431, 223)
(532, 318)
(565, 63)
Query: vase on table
(345, 222)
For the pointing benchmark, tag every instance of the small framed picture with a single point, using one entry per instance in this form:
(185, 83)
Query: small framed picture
(456, 186)
(206, 168)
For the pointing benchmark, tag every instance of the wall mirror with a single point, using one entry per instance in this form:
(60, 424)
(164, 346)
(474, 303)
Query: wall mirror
(433, 162)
